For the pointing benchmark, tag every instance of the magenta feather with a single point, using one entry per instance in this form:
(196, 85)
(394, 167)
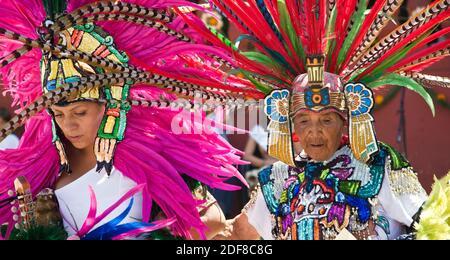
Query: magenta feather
(159, 4)
(36, 159)
(150, 153)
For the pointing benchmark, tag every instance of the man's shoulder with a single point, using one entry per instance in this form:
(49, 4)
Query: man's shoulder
(272, 179)
(397, 160)
(275, 172)
(402, 177)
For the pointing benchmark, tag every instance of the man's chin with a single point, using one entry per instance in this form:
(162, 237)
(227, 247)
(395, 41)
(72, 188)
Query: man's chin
(317, 156)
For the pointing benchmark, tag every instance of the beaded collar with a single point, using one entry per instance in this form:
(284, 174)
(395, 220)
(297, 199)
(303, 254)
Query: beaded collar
(317, 200)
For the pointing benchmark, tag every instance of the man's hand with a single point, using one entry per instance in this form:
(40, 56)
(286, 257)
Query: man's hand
(238, 229)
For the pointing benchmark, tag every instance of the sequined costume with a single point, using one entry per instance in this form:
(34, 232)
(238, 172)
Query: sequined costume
(317, 200)
(137, 58)
(332, 55)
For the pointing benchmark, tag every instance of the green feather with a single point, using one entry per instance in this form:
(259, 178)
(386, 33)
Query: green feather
(54, 8)
(275, 55)
(222, 38)
(263, 59)
(331, 40)
(286, 26)
(358, 19)
(434, 223)
(363, 80)
(260, 86)
(399, 80)
(51, 232)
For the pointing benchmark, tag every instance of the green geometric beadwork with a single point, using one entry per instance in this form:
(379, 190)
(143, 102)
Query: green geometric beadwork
(349, 186)
(107, 41)
(398, 161)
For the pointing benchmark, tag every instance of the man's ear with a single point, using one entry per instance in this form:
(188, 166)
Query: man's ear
(344, 129)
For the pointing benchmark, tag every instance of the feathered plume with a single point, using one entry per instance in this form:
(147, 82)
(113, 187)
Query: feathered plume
(166, 59)
(434, 222)
(346, 32)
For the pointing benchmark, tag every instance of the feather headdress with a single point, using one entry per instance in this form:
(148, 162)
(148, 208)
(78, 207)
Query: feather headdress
(137, 57)
(308, 52)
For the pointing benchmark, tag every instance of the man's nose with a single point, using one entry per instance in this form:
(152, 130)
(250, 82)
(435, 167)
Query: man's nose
(316, 129)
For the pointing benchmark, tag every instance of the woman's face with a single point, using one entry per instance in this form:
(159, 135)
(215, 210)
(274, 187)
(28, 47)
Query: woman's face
(79, 122)
(319, 133)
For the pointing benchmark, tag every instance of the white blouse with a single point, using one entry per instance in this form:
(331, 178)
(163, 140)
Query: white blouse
(74, 199)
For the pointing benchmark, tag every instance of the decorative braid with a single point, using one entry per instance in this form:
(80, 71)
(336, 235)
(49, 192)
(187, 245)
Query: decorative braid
(14, 55)
(221, 61)
(380, 22)
(201, 93)
(165, 81)
(68, 20)
(134, 19)
(331, 4)
(264, 81)
(63, 52)
(436, 54)
(186, 104)
(428, 80)
(401, 32)
(67, 90)
(156, 25)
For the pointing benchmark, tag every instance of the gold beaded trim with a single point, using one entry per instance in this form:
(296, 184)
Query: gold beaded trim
(337, 100)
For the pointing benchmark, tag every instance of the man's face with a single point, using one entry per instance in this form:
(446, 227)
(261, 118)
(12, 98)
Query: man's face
(320, 133)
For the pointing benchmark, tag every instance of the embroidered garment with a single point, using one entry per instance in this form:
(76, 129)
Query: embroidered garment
(318, 200)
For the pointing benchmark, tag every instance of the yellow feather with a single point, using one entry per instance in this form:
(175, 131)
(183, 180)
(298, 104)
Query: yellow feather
(435, 217)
